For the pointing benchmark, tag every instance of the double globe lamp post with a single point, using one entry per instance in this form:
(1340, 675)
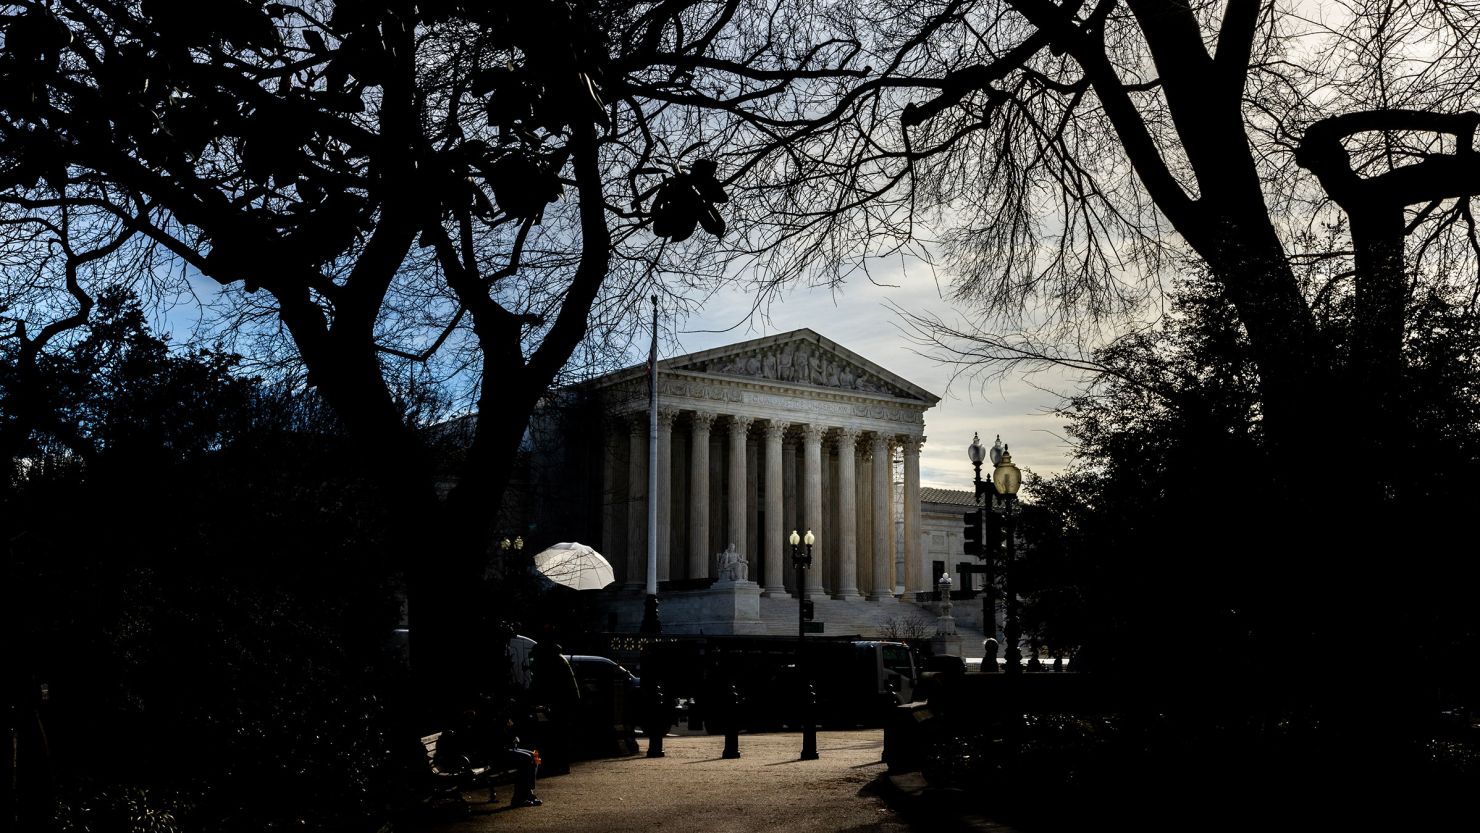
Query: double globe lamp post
(801, 560)
(1006, 478)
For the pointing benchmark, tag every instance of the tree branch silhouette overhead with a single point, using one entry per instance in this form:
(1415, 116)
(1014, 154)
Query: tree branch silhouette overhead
(472, 189)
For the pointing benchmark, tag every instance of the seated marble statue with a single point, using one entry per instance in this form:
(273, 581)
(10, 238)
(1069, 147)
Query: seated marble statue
(732, 566)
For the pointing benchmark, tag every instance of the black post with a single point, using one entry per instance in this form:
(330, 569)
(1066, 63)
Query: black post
(809, 724)
(1010, 626)
(732, 724)
(657, 721)
(801, 570)
(809, 698)
(989, 578)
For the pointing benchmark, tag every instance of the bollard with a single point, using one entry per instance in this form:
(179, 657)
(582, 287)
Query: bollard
(809, 724)
(732, 725)
(657, 720)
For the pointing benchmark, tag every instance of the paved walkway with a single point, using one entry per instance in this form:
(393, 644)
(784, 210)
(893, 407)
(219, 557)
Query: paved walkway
(694, 790)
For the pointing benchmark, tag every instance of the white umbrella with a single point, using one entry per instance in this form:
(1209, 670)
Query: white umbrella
(576, 566)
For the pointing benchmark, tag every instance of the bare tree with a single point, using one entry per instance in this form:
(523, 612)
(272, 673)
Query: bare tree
(1072, 154)
(462, 187)
(46, 295)
(1316, 161)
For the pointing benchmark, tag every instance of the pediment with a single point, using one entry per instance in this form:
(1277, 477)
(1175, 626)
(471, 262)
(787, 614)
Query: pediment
(801, 357)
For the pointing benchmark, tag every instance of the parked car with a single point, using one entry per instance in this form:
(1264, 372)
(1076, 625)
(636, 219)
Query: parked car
(610, 699)
(606, 719)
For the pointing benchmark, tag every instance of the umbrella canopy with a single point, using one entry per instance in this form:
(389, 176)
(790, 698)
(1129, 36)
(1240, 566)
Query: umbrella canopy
(576, 566)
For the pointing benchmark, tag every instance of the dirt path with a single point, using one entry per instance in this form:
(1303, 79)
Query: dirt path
(694, 790)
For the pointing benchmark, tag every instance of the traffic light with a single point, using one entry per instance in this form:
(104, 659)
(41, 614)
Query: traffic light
(807, 609)
(972, 545)
(993, 533)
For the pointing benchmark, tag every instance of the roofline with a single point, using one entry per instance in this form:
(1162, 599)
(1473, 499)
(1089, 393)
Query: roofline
(805, 333)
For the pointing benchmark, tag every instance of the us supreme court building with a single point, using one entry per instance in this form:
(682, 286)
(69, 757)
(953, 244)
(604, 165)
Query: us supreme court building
(756, 439)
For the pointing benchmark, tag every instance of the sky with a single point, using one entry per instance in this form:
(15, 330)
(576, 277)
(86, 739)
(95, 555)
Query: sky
(859, 317)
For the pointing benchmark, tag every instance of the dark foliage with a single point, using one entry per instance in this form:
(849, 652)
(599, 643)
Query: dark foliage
(1161, 771)
(207, 669)
(1166, 547)
(1154, 520)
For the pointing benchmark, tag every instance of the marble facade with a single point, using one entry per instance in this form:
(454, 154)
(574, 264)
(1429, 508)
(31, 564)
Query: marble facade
(756, 439)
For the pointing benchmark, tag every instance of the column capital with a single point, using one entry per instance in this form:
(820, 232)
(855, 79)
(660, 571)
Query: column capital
(775, 429)
(666, 418)
(880, 442)
(911, 443)
(812, 432)
(740, 424)
(846, 438)
(702, 420)
(637, 423)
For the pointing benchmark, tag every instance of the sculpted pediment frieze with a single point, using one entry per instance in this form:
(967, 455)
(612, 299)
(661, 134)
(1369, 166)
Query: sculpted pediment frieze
(797, 362)
(768, 366)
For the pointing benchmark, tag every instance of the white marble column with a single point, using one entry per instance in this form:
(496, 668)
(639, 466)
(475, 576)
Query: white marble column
(610, 438)
(636, 577)
(666, 417)
(896, 521)
(738, 429)
(789, 518)
(717, 536)
(863, 478)
(845, 581)
(812, 498)
(678, 560)
(775, 532)
(753, 552)
(883, 531)
(826, 563)
(917, 575)
(699, 554)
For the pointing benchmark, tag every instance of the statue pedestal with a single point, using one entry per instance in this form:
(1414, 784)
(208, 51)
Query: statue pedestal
(947, 641)
(946, 645)
(945, 626)
(726, 607)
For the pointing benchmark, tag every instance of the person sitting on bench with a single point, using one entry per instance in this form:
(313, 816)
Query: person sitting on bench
(483, 741)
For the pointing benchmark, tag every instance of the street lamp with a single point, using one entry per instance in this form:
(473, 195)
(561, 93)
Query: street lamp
(801, 560)
(976, 544)
(1006, 478)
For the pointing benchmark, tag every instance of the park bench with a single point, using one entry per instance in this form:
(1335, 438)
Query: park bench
(466, 777)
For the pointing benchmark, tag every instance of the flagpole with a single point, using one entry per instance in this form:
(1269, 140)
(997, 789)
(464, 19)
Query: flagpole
(650, 621)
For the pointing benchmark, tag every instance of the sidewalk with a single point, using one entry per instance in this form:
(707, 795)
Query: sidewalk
(694, 790)
(933, 808)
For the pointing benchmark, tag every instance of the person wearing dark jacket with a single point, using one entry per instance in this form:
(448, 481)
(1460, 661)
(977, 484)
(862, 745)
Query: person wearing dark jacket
(488, 740)
(556, 697)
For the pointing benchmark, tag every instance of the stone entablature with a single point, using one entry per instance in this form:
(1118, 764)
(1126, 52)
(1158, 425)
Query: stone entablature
(694, 392)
